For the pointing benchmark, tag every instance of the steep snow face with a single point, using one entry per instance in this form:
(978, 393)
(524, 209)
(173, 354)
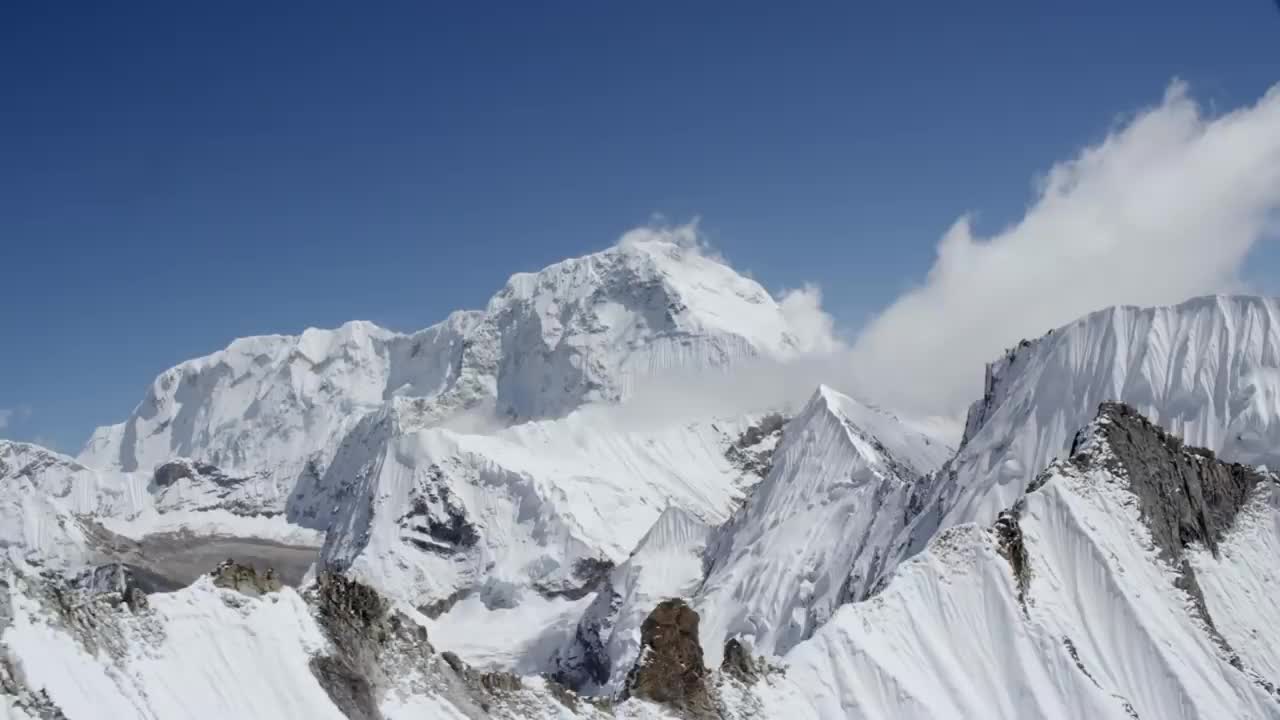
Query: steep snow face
(80, 489)
(540, 508)
(583, 330)
(588, 329)
(274, 403)
(1069, 608)
(42, 495)
(815, 532)
(1208, 370)
(1239, 584)
(667, 563)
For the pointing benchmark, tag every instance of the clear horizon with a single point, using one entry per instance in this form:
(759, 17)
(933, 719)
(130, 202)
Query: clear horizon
(175, 179)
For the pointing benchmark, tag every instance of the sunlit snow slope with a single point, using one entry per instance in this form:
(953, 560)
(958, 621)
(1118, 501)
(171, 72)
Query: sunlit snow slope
(1078, 604)
(816, 532)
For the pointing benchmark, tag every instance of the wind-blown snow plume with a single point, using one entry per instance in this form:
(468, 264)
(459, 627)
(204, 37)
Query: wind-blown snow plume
(1166, 207)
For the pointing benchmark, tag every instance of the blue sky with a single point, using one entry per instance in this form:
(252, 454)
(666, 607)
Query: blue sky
(174, 177)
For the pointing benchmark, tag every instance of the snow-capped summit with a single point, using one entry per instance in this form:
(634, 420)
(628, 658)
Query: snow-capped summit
(814, 534)
(582, 330)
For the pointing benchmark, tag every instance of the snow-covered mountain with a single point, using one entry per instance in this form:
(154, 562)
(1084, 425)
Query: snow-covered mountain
(468, 521)
(815, 532)
(542, 508)
(1208, 370)
(1123, 585)
(583, 330)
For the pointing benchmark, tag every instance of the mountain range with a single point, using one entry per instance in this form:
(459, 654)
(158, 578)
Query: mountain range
(520, 512)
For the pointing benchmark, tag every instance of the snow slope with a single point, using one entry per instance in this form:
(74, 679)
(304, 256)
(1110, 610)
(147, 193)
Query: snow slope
(1095, 623)
(815, 533)
(211, 652)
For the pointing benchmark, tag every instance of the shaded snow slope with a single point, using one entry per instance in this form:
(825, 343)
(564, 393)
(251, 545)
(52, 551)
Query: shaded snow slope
(667, 563)
(1069, 609)
(543, 508)
(815, 532)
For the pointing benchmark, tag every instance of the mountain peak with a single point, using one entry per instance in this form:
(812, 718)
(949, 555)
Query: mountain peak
(775, 573)
(584, 330)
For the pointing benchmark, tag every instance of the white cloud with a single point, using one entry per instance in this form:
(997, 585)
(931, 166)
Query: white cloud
(813, 327)
(5, 415)
(688, 236)
(1167, 207)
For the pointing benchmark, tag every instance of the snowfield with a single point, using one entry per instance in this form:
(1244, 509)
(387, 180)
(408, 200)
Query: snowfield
(479, 519)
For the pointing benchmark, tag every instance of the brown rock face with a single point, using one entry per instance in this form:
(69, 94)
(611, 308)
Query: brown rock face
(670, 670)
(738, 662)
(245, 579)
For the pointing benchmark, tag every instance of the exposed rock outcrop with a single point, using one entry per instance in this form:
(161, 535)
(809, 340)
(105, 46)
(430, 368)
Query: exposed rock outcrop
(1186, 496)
(118, 578)
(752, 452)
(589, 575)
(360, 625)
(1012, 548)
(245, 579)
(437, 521)
(206, 487)
(377, 647)
(670, 670)
(739, 662)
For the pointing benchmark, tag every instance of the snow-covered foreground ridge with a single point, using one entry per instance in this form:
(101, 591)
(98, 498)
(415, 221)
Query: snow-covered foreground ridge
(484, 487)
(1135, 579)
(1121, 586)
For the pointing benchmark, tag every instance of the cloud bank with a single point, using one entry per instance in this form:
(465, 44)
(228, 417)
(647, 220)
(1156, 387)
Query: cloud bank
(1167, 207)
